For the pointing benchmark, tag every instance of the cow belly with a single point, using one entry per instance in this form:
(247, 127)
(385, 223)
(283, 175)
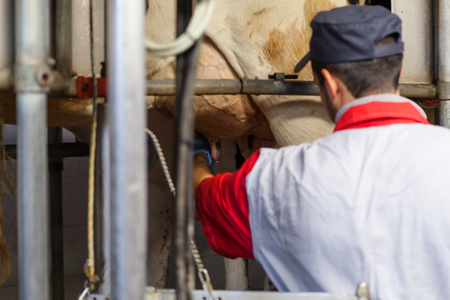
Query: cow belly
(226, 116)
(220, 116)
(60, 112)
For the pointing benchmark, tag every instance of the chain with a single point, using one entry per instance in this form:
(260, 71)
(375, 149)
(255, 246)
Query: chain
(162, 159)
(85, 294)
(202, 271)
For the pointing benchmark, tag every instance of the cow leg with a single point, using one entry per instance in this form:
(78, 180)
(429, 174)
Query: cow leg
(295, 119)
(161, 210)
(236, 274)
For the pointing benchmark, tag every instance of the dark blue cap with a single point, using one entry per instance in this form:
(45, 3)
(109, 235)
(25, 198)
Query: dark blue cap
(350, 33)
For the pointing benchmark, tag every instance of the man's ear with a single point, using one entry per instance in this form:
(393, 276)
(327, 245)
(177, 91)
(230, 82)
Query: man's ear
(330, 82)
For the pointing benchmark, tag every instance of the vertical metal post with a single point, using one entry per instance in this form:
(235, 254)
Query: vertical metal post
(62, 51)
(56, 218)
(6, 40)
(31, 77)
(63, 36)
(104, 133)
(184, 131)
(6, 34)
(444, 62)
(104, 141)
(126, 90)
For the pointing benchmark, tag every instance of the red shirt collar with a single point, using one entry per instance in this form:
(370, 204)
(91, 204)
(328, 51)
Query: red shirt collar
(366, 112)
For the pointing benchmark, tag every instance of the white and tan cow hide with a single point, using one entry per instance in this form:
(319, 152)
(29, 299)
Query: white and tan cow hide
(246, 38)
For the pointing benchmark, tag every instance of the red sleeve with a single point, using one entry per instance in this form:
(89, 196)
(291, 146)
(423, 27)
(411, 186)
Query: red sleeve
(222, 207)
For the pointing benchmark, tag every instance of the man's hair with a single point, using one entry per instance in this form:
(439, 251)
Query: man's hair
(379, 75)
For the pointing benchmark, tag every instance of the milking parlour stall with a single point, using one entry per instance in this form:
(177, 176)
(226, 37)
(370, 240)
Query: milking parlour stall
(101, 101)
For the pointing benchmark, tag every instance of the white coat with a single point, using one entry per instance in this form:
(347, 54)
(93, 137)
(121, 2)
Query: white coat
(370, 202)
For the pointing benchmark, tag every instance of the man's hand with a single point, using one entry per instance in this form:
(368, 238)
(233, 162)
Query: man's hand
(201, 169)
(201, 144)
(202, 161)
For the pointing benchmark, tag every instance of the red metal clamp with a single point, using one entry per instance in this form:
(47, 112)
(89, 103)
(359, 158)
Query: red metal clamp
(85, 88)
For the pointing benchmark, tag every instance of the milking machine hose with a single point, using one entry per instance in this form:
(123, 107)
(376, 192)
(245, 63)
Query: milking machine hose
(195, 29)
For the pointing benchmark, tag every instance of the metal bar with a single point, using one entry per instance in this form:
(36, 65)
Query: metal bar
(62, 51)
(444, 62)
(435, 31)
(184, 133)
(55, 166)
(6, 34)
(61, 150)
(104, 136)
(104, 133)
(236, 86)
(6, 40)
(58, 85)
(168, 294)
(32, 197)
(270, 87)
(126, 91)
(32, 49)
(63, 87)
(418, 91)
(63, 36)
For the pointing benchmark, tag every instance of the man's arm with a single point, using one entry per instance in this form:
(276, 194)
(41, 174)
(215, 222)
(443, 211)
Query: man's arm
(222, 207)
(202, 169)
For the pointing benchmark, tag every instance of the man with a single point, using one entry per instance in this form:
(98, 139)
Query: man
(368, 203)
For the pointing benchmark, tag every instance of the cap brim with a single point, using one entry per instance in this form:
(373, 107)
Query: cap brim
(302, 63)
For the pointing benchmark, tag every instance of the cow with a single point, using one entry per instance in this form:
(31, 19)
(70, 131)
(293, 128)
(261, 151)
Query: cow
(249, 39)
(245, 38)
